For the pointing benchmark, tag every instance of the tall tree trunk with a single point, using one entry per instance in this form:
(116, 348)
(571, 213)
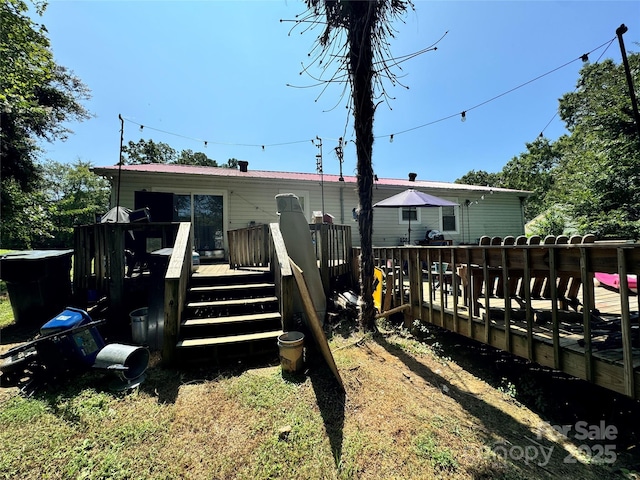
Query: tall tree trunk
(363, 20)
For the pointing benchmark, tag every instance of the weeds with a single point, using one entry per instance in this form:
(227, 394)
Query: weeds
(441, 458)
(508, 388)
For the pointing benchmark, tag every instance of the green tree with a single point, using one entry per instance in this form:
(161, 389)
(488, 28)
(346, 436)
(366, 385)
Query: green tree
(148, 151)
(534, 170)
(38, 98)
(75, 195)
(231, 163)
(27, 224)
(189, 157)
(480, 177)
(363, 60)
(599, 176)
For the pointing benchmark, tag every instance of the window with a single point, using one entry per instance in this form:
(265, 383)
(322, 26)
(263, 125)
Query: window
(410, 214)
(449, 219)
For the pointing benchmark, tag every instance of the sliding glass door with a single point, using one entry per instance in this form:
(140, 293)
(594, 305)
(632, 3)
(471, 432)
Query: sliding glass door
(205, 212)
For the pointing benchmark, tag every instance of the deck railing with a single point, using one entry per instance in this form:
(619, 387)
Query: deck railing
(250, 247)
(333, 250)
(281, 269)
(100, 253)
(506, 295)
(176, 284)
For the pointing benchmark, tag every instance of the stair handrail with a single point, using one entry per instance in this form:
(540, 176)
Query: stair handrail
(176, 284)
(282, 274)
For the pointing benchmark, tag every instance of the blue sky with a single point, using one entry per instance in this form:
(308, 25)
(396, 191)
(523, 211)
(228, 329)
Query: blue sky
(219, 71)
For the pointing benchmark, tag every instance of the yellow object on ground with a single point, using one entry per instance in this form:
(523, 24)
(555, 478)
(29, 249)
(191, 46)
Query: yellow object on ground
(378, 276)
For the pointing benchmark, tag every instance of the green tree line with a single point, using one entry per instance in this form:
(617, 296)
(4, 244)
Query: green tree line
(588, 180)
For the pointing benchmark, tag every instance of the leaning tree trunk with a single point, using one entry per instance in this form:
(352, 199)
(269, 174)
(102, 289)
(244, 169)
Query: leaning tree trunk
(363, 20)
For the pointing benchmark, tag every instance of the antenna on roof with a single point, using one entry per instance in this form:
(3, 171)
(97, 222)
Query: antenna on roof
(319, 170)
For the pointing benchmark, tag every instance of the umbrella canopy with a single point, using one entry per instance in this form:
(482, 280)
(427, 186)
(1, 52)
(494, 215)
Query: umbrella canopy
(413, 198)
(116, 215)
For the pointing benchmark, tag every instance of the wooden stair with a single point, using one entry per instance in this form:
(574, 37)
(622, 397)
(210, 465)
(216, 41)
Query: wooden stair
(230, 317)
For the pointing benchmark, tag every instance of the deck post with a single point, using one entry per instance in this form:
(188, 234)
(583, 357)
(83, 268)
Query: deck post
(526, 283)
(414, 270)
(627, 353)
(507, 301)
(176, 283)
(488, 288)
(470, 294)
(553, 291)
(586, 316)
(454, 288)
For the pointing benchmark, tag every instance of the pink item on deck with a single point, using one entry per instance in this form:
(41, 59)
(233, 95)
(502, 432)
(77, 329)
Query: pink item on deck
(613, 280)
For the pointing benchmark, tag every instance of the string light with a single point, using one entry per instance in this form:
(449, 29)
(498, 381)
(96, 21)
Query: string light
(584, 58)
(463, 115)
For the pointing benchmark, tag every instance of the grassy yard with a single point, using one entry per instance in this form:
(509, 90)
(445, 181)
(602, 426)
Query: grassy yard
(6, 314)
(412, 409)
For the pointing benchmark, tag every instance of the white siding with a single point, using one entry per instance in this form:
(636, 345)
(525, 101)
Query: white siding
(253, 200)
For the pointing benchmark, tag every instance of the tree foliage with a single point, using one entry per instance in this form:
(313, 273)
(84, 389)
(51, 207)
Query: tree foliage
(148, 151)
(37, 100)
(602, 153)
(589, 179)
(481, 177)
(75, 195)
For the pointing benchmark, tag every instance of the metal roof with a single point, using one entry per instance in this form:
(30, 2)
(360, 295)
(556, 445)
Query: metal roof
(162, 168)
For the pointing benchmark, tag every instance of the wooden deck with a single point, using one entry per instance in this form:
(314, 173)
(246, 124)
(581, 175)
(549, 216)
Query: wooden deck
(223, 269)
(606, 343)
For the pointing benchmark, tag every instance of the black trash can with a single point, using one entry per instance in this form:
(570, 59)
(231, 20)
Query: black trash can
(38, 282)
(158, 264)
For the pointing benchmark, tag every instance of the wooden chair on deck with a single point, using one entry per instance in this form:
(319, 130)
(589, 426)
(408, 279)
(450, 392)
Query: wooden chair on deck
(508, 240)
(515, 279)
(533, 240)
(572, 294)
(494, 278)
(539, 280)
(560, 240)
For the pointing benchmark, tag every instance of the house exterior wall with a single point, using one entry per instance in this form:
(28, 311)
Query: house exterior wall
(249, 199)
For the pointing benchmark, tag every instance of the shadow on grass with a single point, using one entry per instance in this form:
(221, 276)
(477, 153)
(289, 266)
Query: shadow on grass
(497, 424)
(331, 402)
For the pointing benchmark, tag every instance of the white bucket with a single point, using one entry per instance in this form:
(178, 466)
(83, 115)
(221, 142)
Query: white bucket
(139, 325)
(291, 346)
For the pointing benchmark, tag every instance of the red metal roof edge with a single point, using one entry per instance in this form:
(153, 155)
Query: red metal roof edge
(311, 177)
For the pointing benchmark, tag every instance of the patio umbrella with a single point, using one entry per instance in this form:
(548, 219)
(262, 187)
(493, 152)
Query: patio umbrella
(413, 198)
(116, 215)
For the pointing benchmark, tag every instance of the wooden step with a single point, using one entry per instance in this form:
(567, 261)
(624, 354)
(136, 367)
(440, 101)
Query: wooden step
(235, 302)
(249, 337)
(223, 288)
(256, 317)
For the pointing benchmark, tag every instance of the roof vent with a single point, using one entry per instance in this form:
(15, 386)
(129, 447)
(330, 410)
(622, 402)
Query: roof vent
(412, 176)
(243, 164)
